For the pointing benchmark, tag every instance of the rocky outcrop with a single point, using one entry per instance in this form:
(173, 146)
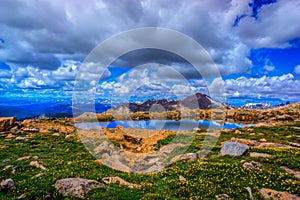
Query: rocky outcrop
(76, 187)
(6, 123)
(234, 148)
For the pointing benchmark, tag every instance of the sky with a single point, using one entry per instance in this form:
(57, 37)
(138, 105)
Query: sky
(255, 45)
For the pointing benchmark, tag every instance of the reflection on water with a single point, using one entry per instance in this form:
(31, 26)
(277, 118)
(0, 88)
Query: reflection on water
(180, 125)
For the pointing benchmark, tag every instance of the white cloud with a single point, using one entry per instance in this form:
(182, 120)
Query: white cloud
(285, 87)
(269, 68)
(276, 25)
(297, 69)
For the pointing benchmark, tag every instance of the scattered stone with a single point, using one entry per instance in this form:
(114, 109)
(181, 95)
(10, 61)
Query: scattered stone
(9, 136)
(102, 148)
(237, 132)
(234, 148)
(181, 178)
(153, 168)
(15, 130)
(263, 140)
(47, 197)
(270, 144)
(289, 136)
(56, 134)
(186, 156)
(250, 193)
(5, 160)
(258, 155)
(222, 197)
(31, 130)
(251, 165)
(245, 141)
(261, 134)
(291, 171)
(24, 158)
(37, 165)
(30, 135)
(7, 185)
(37, 175)
(293, 144)
(118, 180)
(21, 138)
(7, 167)
(6, 123)
(170, 147)
(268, 194)
(76, 187)
(70, 136)
(22, 196)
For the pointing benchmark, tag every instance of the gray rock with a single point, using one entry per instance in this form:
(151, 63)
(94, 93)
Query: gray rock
(15, 130)
(70, 136)
(7, 185)
(76, 187)
(234, 149)
(251, 165)
(31, 130)
(222, 197)
(21, 138)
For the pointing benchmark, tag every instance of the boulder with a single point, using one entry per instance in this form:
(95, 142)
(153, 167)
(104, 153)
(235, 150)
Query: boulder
(76, 187)
(234, 148)
(6, 123)
(7, 185)
(269, 194)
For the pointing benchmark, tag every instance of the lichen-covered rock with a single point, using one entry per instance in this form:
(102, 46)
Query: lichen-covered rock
(76, 187)
(234, 148)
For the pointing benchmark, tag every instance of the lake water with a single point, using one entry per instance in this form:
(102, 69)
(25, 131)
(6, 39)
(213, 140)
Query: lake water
(180, 125)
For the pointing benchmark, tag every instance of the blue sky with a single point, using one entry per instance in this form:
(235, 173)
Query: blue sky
(254, 44)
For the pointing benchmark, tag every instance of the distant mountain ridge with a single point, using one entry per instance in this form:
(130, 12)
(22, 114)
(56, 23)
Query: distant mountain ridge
(195, 101)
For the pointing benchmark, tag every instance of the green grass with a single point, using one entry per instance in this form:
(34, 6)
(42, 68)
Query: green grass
(66, 158)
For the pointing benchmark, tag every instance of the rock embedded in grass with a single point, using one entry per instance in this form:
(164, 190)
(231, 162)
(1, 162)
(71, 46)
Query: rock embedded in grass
(258, 155)
(7, 185)
(234, 148)
(118, 180)
(76, 187)
(222, 197)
